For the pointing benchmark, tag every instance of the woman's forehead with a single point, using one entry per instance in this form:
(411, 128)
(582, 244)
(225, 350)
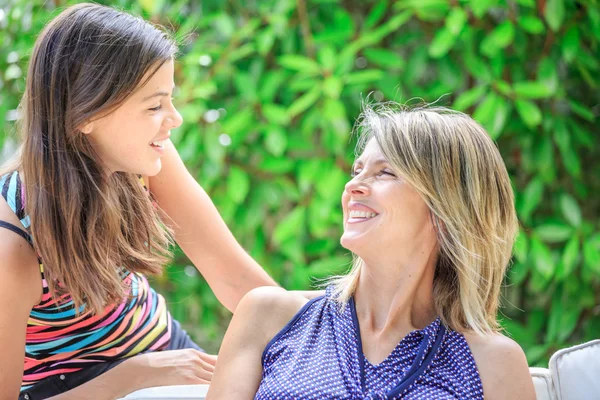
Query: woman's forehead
(371, 154)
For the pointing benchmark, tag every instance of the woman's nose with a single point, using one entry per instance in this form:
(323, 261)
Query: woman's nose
(357, 187)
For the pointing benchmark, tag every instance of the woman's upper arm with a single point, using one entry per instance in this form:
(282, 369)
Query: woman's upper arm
(202, 233)
(260, 315)
(502, 366)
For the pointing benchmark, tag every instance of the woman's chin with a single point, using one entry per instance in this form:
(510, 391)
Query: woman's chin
(353, 241)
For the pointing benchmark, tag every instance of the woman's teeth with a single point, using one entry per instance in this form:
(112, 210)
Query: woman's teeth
(159, 143)
(362, 214)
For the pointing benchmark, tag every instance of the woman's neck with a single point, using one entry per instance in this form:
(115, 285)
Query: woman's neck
(396, 295)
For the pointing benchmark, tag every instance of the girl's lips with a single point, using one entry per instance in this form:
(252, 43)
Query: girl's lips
(160, 150)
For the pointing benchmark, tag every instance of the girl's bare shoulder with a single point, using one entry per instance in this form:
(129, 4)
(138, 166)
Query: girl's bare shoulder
(19, 266)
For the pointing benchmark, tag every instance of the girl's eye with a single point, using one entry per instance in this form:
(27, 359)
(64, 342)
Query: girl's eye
(385, 172)
(155, 108)
(355, 172)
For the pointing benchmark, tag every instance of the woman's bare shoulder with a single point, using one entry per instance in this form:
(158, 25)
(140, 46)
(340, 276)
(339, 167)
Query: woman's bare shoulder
(502, 366)
(271, 307)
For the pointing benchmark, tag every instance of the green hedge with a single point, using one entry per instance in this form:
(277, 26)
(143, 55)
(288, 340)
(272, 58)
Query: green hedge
(269, 91)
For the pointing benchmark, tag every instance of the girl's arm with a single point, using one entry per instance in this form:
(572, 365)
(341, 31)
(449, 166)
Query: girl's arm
(202, 234)
(260, 315)
(20, 290)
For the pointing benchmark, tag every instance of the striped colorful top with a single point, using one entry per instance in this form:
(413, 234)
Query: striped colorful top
(59, 342)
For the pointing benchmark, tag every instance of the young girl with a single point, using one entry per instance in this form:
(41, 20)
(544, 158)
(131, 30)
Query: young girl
(89, 207)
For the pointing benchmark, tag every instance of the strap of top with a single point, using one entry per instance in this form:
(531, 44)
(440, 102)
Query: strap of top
(10, 187)
(17, 230)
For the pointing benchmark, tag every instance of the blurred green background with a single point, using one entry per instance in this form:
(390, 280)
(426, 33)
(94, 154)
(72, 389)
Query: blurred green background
(269, 90)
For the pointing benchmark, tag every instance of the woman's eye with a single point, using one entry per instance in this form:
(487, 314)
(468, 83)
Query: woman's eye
(354, 173)
(155, 108)
(385, 172)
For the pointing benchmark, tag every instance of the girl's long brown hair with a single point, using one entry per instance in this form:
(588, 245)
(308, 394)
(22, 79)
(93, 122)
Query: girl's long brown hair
(88, 225)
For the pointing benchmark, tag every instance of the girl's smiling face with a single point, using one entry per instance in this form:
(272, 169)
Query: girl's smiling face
(132, 137)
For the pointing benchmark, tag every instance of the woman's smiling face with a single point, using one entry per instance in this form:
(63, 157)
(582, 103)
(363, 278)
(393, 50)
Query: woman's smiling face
(381, 211)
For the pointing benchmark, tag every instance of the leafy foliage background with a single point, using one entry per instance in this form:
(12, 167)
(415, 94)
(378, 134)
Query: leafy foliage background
(269, 90)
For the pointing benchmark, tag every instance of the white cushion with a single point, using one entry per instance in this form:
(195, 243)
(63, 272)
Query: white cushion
(542, 381)
(576, 371)
(182, 392)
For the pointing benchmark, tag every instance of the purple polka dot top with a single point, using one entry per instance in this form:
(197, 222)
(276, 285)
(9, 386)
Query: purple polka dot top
(318, 355)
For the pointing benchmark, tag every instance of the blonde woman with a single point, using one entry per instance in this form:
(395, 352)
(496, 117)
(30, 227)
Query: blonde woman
(429, 216)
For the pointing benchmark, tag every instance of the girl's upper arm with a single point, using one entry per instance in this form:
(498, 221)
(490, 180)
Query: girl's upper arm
(260, 315)
(202, 234)
(502, 367)
(20, 290)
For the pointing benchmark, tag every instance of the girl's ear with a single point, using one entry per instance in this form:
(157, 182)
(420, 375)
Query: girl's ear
(86, 127)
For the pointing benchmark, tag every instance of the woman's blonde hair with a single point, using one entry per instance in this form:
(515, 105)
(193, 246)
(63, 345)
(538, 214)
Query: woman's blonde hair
(451, 161)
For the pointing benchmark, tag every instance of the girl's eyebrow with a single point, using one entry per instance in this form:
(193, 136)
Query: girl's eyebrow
(157, 94)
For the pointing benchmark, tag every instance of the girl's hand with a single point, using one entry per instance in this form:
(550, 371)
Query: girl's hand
(172, 367)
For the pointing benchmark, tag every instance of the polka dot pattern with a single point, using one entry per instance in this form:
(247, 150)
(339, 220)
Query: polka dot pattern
(317, 356)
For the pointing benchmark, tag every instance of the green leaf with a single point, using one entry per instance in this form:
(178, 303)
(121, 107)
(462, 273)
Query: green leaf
(366, 76)
(332, 87)
(529, 112)
(501, 37)
(554, 12)
(275, 114)
(327, 57)
(456, 20)
(533, 90)
(582, 110)
(521, 247)
(591, 255)
(492, 114)
(531, 24)
(542, 258)
(569, 258)
(469, 97)
(554, 232)
(304, 102)
(290, 227)
(480, 7)
(238, 185)
(527, 3)
(532, 196)
(442, 43)
(300, 63)
(377, 13)
(570, 43)
(276, 141)
(384, 58)
(570, 209)
(152, 7)
(265, 41)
